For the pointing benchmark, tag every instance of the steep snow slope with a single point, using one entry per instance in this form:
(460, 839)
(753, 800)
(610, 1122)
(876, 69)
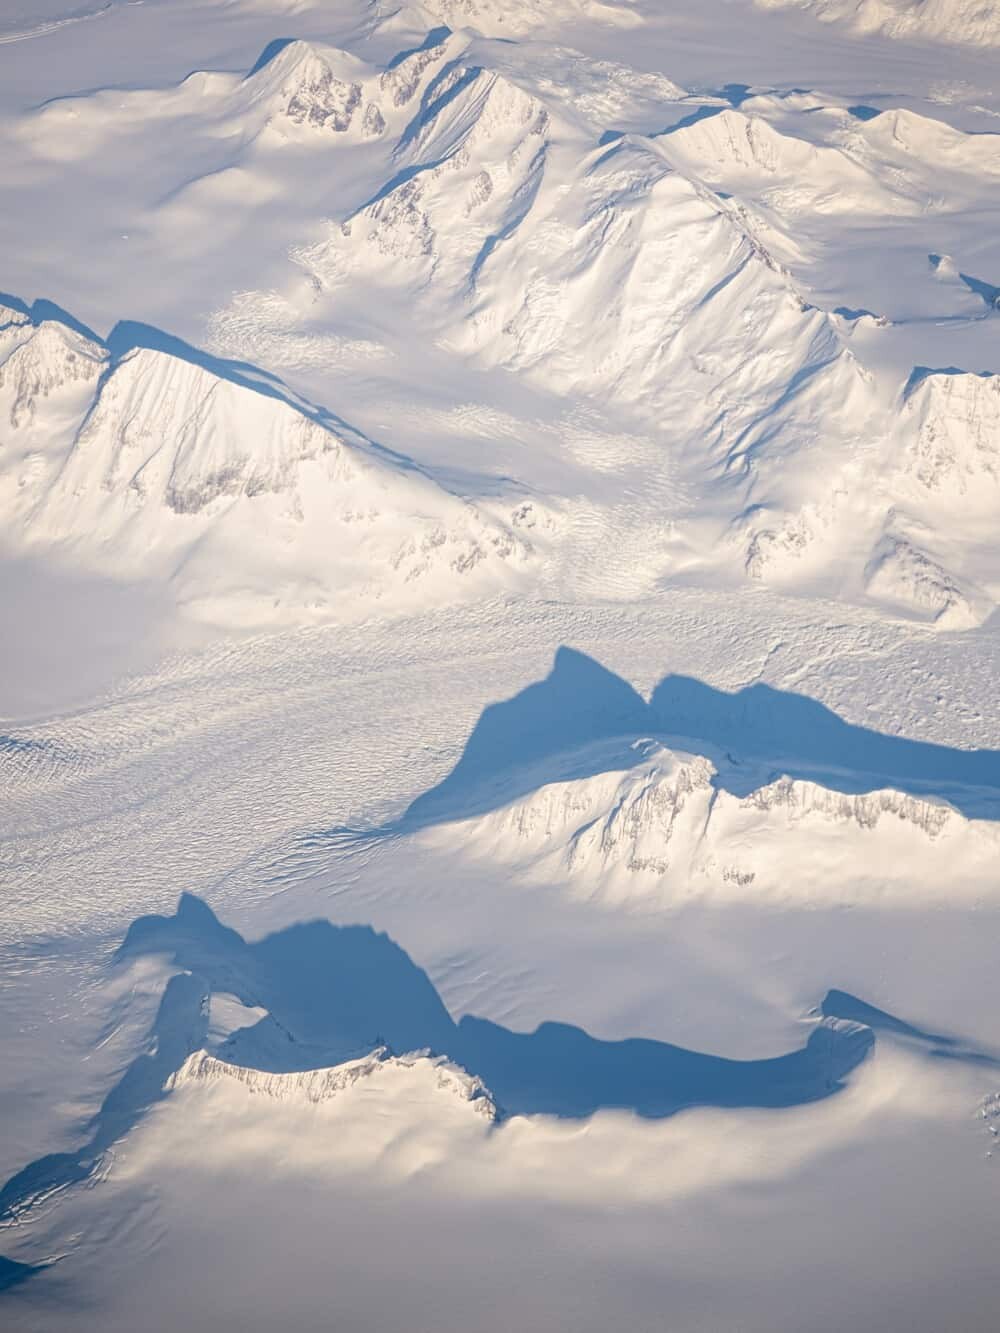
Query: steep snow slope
(667, 831)
(509, 230)
(751, 390)
(948, 21)
(702, 336)
(827, 160)
(420, 1077)
(475, 134)
(934, 558)
(48, 374)
(152, 459)
(667, 338)
(743, 414)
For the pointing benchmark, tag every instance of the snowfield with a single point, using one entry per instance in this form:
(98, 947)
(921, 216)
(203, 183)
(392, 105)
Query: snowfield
(938, 20)
(498, 562)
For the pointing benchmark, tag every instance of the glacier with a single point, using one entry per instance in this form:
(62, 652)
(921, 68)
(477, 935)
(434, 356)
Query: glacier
(498, 573)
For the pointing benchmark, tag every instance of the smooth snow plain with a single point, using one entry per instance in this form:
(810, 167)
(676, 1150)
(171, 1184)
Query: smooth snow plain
(501, 782)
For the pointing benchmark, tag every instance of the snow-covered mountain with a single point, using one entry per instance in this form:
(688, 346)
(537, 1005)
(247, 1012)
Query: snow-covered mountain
(761, 408)
(795, 156)
(472, 192)
(472, 720)
(934, 559)
(948, 21)
(493, 222)
(154, 460)
(427, 1075)
(671, 829)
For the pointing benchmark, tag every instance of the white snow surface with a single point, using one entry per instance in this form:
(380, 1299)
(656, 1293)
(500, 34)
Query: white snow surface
(737, 411)
(498, 566)
(237, 495)
(959, 21)
(664, 833)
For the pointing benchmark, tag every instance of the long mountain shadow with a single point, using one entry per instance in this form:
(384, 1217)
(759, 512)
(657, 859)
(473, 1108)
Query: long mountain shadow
(180, 1027)
(334, 992)
(583, 719)
(838, 1004)
(579, 720)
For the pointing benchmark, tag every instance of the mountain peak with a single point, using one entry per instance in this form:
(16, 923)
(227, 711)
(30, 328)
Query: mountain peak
(309, 87)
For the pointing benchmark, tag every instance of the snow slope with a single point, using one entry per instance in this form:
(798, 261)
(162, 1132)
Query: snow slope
(704, 335)
(579, 867)
(518, 18)
(723, 416)
(481, 221)
(667, 831)
(945, 21)
(252, 504)
(319, 1085)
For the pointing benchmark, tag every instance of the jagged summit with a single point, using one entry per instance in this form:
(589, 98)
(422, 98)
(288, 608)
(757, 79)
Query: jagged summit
(509, 241)
(470, 161)
(315, 92)
(660, 279)
(308, 87)
(39, 366)
(673, 828)
(425, 1077)
(10, 316)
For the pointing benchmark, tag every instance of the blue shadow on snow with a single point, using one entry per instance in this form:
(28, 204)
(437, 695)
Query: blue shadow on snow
(583, 719)
(333, 993)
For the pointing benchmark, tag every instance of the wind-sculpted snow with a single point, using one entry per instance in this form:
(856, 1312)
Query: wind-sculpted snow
(183, 464)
